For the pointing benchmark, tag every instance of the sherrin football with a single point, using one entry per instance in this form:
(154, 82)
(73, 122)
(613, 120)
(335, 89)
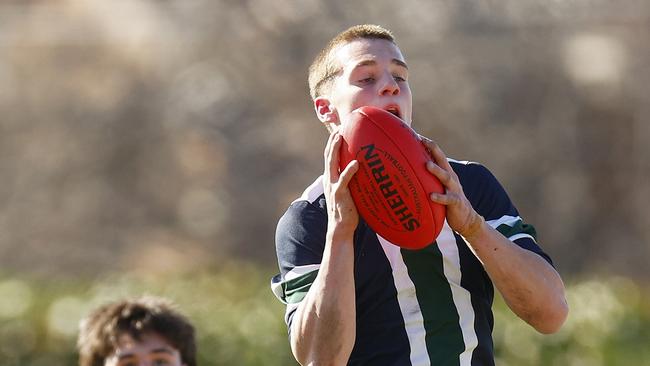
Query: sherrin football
(392, 186)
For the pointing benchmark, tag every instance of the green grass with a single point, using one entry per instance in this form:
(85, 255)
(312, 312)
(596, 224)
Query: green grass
(239, 322)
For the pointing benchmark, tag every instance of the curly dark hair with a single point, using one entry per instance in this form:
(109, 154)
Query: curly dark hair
(100, 331)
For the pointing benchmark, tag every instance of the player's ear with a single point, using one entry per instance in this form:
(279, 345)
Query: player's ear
(325, 111)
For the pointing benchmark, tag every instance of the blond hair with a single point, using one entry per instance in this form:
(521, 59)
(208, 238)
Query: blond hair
(323, 69)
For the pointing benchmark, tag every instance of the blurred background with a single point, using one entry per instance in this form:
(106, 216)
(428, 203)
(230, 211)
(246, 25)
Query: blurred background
(150, 147)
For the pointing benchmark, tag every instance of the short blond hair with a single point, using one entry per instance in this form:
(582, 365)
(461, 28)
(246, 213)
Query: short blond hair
(323, 69)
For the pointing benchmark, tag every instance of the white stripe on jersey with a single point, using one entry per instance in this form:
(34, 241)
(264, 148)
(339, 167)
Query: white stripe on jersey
(276, 284)
(510, 221)
(296, 272)
(462, 298)
(312, 192)
(522, 235)
(300, 270)
(464, 162)
(408, 304)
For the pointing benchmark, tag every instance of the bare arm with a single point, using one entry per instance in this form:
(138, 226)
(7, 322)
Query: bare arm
(324, 326)
(530, 286)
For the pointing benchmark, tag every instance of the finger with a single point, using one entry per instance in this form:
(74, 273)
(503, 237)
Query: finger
(436, 153)
(349, 172)
(434, 150)
(328, 145)
(441, 159)
(334, 158)
(327, 153)
(424, 138)
(445, 199)
(428, 143)
(443, 176)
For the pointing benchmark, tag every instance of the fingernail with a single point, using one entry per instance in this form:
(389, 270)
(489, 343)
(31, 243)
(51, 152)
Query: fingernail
(429, 164)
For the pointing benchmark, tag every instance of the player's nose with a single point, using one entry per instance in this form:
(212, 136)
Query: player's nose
(389, 86)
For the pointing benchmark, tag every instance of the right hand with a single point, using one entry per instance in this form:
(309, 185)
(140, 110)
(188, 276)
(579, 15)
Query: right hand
(343, 216)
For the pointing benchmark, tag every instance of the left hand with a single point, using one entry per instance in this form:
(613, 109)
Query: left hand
(461, 216)
(530, 286)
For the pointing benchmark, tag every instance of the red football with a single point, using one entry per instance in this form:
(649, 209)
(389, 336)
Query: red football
(392, 186)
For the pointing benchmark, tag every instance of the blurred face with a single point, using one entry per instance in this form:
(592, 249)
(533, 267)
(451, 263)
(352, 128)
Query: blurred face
(373, 73)
(151, 350)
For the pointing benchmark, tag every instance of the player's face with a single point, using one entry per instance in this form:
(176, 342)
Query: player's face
(373, 73)
(151, 350)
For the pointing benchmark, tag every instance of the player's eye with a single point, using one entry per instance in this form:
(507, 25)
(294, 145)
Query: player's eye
(367, 80)
(399, 78)
(160, 362)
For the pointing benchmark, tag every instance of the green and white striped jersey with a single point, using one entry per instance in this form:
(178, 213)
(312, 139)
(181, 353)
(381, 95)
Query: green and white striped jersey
(413, 307)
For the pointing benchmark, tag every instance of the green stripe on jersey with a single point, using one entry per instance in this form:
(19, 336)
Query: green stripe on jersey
(425, 267)
(295, 289)
(518, 227)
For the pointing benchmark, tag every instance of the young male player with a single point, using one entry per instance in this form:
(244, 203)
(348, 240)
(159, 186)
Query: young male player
(146, 331)
(352, 297)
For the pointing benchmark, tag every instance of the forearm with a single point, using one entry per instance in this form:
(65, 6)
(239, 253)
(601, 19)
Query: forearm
(324, 326)
(530, 286)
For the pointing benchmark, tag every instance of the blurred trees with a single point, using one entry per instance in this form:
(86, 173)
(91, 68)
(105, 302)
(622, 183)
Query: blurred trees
(161, 139)
(162, 136)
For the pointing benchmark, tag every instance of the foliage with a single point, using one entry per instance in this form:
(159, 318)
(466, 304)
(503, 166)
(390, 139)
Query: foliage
(239, 322)
(608, 324)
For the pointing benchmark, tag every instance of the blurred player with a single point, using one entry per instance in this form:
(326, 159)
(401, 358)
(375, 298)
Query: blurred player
(146, 331)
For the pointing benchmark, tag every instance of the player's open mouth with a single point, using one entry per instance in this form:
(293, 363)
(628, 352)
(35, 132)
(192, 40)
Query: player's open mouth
(393, 109)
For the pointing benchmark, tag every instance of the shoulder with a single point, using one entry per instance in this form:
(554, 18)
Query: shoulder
(468, 169)
(304, 224)
(482, 188)
(473, 175)
(311, 193)
(309, 207)
(301, 231)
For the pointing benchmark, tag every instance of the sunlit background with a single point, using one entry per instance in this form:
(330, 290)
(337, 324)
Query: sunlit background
(151, 146)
